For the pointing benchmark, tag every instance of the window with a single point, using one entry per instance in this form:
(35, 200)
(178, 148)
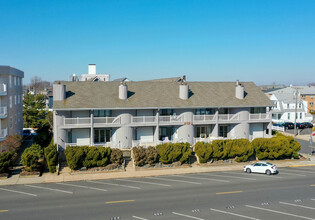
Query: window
(288, 116)
(10, 81)
(102, 113)
(15, 100)
(15, 118)
(19, 100)
(10, 101)
(166, 133)
(288, 105)
(312, 96)
(311, 103)
(101, 136)
(301, 114)
(257, 110)
(205, 111)
(223, 130)
(300, 105)
(223, 111)
(11, 122)
(166, 112)
(303, 96)
(202, 131)
(15, 79)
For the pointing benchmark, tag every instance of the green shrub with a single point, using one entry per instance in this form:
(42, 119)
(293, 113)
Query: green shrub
(116, 156)
(170, 153)
(51, 156)
(204, 151)
(152, 155)
(6, 159)
(139, 154)
(31, 157)
(75, 157)
(275, 148)
(86, 156)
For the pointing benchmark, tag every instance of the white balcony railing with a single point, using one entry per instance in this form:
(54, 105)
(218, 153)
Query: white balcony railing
(3, 89)
(3, 110)
(170, 119)
(259, 116)
(228, 117)
(204, 118)
(3, 133)
(77, 121)
(107, 120)
(144, 119)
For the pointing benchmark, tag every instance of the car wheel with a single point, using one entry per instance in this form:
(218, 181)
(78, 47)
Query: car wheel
(248, 170)
(268, 172)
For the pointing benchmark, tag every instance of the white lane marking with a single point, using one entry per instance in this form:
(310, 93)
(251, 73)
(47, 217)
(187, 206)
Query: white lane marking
(302, 206)
(235, 177)
(313, 199)
(29, 194)
(85, 187)
(202, 178)
(230, 213)
(114, 184)
(139, 217)
(187, 216)
(258, 174)
(283, 213)
(291, 174)
(136, 181)
(57, 190)
(181, 181)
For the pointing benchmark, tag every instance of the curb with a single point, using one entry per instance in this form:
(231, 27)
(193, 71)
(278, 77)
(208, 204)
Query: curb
(305, 165)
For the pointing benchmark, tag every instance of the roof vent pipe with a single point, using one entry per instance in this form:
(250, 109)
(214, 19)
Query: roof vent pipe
(239, 90)
(183, 91)
(92, 69)
(123, 91)
(59, 91)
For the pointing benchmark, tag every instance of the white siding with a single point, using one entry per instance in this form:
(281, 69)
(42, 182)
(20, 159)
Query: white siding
(145, 134)
(81, 136)
(257, 130)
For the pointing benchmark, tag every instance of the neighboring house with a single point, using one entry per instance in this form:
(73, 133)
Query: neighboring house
(11, 103)
(284, 110)
(91, 76)
(153, 112)
(306, 93)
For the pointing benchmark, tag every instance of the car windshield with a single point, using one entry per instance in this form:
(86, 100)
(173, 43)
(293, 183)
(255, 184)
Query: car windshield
(26, 131)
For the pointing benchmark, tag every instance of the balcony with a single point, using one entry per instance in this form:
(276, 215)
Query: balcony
(3, 89)
(229, 117)
(259, 116)
(141, 120)
(204, 119)
(106, 121)
(3, 111)
(77, 122)
(171, 119)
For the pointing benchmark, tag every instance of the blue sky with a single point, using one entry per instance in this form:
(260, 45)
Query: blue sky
(264, 41)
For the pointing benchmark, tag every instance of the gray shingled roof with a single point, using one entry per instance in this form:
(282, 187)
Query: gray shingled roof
(157, 94)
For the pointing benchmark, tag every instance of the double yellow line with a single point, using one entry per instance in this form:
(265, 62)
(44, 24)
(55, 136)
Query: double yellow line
(4, 210)
(119, 201)
(221, 193)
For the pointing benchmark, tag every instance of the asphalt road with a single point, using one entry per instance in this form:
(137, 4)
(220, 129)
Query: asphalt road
(201, 196)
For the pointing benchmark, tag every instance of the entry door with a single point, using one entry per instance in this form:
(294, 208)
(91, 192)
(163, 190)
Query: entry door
(202, 131)
(101, 136)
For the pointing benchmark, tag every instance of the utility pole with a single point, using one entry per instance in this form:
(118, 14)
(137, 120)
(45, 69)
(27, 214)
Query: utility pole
(295, 110)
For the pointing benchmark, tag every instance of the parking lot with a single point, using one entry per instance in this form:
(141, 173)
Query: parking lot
(219, 195)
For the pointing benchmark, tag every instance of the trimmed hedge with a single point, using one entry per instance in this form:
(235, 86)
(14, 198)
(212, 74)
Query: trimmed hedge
(144, 156)
(31, 157)
(6, 160)
(51, 156)
(275, 148)
(86, 156)
(240, 149)
(170, 153)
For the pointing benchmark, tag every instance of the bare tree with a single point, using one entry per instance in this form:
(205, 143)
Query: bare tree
(38, 85)
(311, 84)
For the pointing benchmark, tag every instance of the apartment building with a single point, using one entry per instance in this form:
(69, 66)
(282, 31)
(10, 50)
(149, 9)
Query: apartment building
(288, 109)
(144, 113)
(11, 101)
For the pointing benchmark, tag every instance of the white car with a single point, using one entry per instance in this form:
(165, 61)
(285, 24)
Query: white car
(261, 167)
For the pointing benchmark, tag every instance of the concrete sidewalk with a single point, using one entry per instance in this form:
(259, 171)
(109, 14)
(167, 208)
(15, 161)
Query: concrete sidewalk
(195, 168)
